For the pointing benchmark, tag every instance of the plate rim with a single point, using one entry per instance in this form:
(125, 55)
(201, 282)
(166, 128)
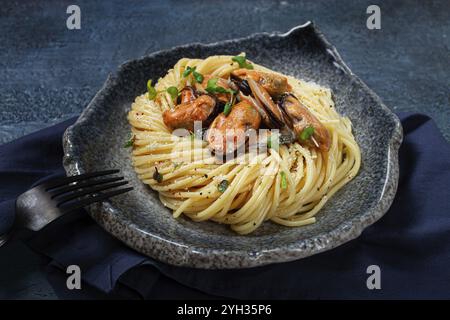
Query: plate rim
(207, 258)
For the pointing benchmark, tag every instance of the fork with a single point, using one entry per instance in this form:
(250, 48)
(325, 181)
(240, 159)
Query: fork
(48, 201)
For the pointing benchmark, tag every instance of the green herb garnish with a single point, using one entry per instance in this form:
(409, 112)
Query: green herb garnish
(273, 141)
(198, 77)
(212, 87)
(227, 108)
(173, 91)
(223, 185)
(157, 176)
(177, 164)
(242, 61)
(151, 90)
(130, 142)
(283, 180)
(188, 71)
(306, 133)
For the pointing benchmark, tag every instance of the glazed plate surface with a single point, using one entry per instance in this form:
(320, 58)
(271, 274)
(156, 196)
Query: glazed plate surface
(95, 142)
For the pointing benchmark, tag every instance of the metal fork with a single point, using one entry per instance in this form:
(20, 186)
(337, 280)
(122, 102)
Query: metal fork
(44, 203)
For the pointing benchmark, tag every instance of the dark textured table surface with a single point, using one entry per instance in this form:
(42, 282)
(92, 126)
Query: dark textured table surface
(49, 73)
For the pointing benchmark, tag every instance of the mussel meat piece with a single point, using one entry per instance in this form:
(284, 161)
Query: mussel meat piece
(227, 133)
(224, 97)
(187, 94)
(275, 113)
(302, 118)
(265, 117)
(273, 83)
(204, 108)
(241, 84)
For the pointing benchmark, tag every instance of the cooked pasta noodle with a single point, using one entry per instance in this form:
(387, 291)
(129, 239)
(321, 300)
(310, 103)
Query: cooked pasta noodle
(287, 185)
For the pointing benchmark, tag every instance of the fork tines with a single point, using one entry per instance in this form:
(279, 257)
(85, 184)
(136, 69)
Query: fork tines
(81, 190)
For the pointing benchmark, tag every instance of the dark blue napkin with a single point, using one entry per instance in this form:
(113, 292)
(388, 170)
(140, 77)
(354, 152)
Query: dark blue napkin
(410, 244)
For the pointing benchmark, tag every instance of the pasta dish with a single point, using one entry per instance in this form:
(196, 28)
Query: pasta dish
(228, 140)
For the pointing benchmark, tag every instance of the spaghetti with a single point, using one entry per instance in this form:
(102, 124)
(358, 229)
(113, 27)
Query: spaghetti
(287, 184)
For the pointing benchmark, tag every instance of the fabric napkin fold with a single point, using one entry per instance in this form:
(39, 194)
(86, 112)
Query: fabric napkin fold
(410, 244)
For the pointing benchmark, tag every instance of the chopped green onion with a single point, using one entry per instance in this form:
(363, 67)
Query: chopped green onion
(223, 185)
(157, 176)
(283, 180)
(219, 89)
(130, 142)
(306, 133)
(198, 76)
(241, 60)
(192, 136)
(273, 141)
(188, 71)
(227, 108)
(173, 91)
(212, 83)
(212, 87)
(177, 164)
(238, 59)
(151, 90)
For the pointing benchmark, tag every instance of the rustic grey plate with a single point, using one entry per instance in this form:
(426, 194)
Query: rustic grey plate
(138, 218)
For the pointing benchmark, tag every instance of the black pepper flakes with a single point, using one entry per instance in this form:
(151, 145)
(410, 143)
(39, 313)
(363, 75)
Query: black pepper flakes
(223, 185)
(157, 176)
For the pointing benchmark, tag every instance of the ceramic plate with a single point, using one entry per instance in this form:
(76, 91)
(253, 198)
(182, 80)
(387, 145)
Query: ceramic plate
(95, 142)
